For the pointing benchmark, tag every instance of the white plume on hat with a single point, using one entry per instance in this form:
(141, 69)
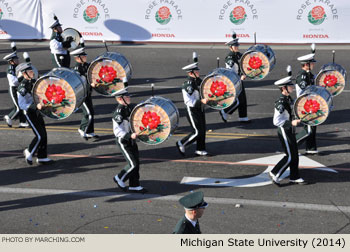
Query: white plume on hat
(26, 57)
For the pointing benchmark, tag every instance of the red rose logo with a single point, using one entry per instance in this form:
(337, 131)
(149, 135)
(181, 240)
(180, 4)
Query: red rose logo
(218, 88)
(238, 12)
(150, 120)
(107, 74)
(91, 11)
(55, 94)
(311, 106)
(318, 12)
(330, 80)
(255, 62)
(164, 12)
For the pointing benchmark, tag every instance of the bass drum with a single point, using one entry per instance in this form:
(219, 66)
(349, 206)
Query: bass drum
(61, 92)
(333, 77)
(258, 61)
(221, 87)
(313, 105)
(154, 120)
(19, 74)
(107, 72)
(71, 32)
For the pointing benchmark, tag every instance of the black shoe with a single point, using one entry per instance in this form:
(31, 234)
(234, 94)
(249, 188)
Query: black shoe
(123, 188)
(138, 189)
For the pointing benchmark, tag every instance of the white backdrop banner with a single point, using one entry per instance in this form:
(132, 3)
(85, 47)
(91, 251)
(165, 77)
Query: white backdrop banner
(20, 19)
(273, 21)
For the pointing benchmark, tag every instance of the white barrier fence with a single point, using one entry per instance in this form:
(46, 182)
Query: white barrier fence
(274, 21)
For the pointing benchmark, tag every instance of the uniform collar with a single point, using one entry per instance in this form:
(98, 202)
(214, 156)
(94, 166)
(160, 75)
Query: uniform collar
(192, 222)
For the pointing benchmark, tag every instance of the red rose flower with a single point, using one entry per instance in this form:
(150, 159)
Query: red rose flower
(107, 74)
(311, 106)
(91, 11)
(330, 80)
(218, 88)
(238, 12)
(150, 119)
(55, 94)
(255, 62)
(164, 13)
(317, 12)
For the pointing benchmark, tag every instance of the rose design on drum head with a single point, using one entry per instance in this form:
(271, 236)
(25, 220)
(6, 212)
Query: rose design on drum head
(331, 81)
(217, 88)
(107, 74)
(56, 98)
(151, 125)
(150, 120)
(54, 94)
(311, 111)
(255, 62)
(311, 106)
(219, 93)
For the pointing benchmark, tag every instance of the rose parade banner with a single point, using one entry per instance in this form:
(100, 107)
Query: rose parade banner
(273, 21)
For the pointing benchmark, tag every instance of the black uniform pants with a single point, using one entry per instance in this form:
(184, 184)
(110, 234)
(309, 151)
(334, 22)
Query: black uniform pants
(16, 112)
(61, 60)
(290, 147)
(242, 106)
(196, 118)
(131, 170)
(39, 143)
(308, 135)
(87, 122)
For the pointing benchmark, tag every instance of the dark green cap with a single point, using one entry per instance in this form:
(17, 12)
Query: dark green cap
(193, 201)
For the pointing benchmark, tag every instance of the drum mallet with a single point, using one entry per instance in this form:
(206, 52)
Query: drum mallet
(104, 42)
(218, 62)
(333, 52)
(152, 86)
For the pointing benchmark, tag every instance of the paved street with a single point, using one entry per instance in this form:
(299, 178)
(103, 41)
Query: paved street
(77, 194)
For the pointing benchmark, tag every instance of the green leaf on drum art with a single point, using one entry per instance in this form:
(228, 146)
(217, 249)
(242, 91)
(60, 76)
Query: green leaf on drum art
(162, 21)
(143, 138)
(90, 20)
(237, 21)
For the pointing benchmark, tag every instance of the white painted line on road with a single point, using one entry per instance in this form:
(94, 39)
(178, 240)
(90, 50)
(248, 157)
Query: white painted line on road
(211, 200)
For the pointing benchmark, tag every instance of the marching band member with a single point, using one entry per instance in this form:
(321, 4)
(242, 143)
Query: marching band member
(58, 47)
(283, 120)
(16, 112)
(195, 111)
(232, 61)
(304, 79)
(194, 205)
(86, 129)
(127, 144)
(34, 118)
